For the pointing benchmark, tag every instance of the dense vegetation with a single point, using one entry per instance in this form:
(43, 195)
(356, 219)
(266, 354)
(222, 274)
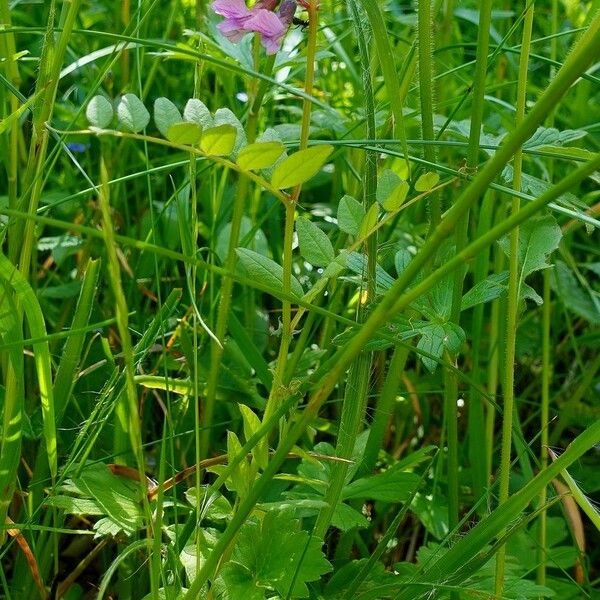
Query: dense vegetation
(299, 299)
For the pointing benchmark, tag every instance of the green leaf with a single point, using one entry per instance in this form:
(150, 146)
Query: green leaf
(427, 181)
(369, 222)
(116, 496)
(195, 111)
(166, 114)
(251, 425)
(549, 136)
(132, 113)
(300, 166)
(391, 190)
(393, 485)
(435, 337)
(184, 133)
(260, 155)
(576, 297)
(99, 112)
(224, 116)
(488, 289)
(358, 263)
(350, 215)
(315, 246)
(218, 141)
(538, 238)
(266, 271)
(274, 555)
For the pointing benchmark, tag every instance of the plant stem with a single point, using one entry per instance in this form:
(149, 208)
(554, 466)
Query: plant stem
(426, 86)
(279, 377)
(450, 375)
(240, 202)
(357, 386)
(513, 299)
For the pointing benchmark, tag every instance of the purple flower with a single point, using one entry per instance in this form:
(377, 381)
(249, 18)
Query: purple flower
(261, 19)
(236, 14)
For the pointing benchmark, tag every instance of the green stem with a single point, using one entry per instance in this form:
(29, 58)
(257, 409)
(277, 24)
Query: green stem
(513, 300)
(450, 377)
(279, 377)
(357, 387)
(426, 86)
(240, 202)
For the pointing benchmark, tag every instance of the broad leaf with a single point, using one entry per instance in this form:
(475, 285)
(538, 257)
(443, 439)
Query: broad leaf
(224, 116)
(260, 155)
(300, 167)
(369, 222)
(315, 246)
(350, 215)
(393, 485)
(265, 270)
(132, 113)
(218, 141)
(99, 112)
(184, 133)
(391, 190)
(576, 297)
(195, 111)
(426, 182)
(166, 114)
(488, 289)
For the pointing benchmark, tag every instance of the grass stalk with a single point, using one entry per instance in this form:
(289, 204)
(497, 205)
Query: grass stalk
(461, 237)
(357, 386)
(514, 300)
(426, 89)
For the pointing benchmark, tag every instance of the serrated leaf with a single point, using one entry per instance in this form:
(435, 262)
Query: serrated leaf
(260, 155)
(538, 238)
(132, 113)
(275, 554)
(266, 271)
(300, 167)
(315, 246)
(195, 111)
(369, 221)
(184, 133)
(350, 215)
(427, 181)
(166, 114)
(391, 190)
(218, 141)
(99, 112)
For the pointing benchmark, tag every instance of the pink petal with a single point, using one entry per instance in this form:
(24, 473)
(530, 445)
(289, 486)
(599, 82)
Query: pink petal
(266, 23)
(231, 9)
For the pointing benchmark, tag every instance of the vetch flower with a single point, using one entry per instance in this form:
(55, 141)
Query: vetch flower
(236, 14)
(261, 18)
